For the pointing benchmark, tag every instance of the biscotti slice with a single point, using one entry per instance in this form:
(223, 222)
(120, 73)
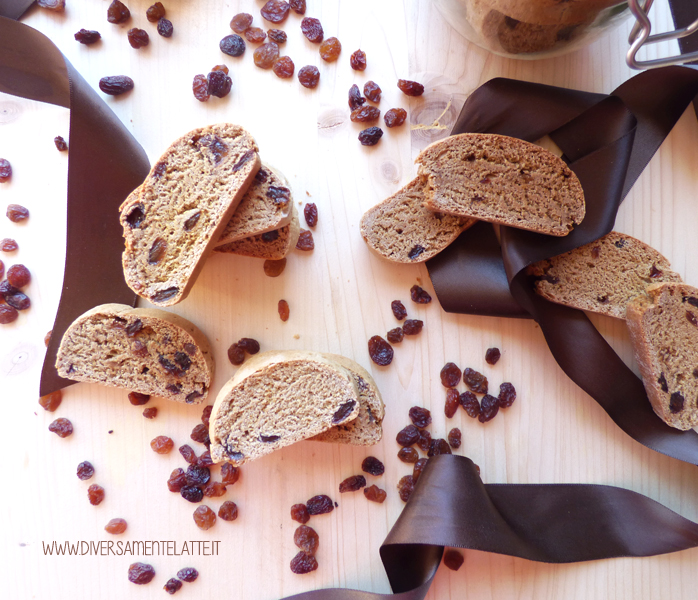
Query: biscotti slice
(602, 276)
(279, 398)
(402, 230)
(144, 350)
(272, 245)
(664, 330)
(502, 180)
(188, 197)
(367, 428)
(265, 206)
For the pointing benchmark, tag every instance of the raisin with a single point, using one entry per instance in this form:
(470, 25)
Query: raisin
(407, 436)
(155, 12)
(61, 427)
(408, 455)
(475, 381)
(298, 6)
(492, 356)
(395, 117)
(305, 241)
(165, 28)
(18, 276)
(470, 403)
(241, 22)
(274, 268)
(310, 214)
(255, 35)
(165, 295)
(232, 45)
(162, 444)
(61, 144)
(52, 401)
(450, 375)
(7, 290)
(85, 470)
(284, 68)
(204, 517)
(330, 49)
(17, 213)
(419, 295)
(380, 351)
(197, 476)
(405, 487)
(115, 526)
(343, 411)
(236, 355)
(135, 217)
(176, 481)
(138, 38)
(140, 573)
(284, 311)
(312, 29)
(87, 36)
(372, 466)
(47, 338)
(420, 417)
(270, 236)
(200, 89)
(214, 489)
(438, 446)
(375, 494)
(2, 272)
(18, 300)
(489, 407)
(655, 272)
(309, 76)
(412, 326)
(303, 563)
(676, 402)
(352, 484)
(299, 513)
(205, 459)
(5, 170)
(191, 493)
(9, 245)
(418, 468)
(55, 5)
(183, 361)
(689, 316)
(95, 494)
(172, 586)
(200, 434)
(370, 136)
(244, 159)
(307, 539)
(415, 251)
(188, 574)
(228, 511)
(249, 345)
(453, 559)
(188, 454)
(319, 505)
(157, 251)
(452, 402)
(8, 314)
(219, 84)
(266, 54)
(190, 349)
(277, 35)
(455, 437)
(507, 395)
(358, 60)
(424, 441)
(275, 11)
(115, 85)
(150, 413)
(398, 309)
(395, 335)
(410, 88)
(355, 98)
(118, 12)
(365, 114)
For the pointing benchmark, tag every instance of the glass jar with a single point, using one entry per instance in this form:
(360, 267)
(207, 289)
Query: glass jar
(533, 28)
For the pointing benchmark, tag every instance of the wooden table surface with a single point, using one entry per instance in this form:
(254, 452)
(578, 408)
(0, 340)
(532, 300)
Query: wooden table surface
(339, 296)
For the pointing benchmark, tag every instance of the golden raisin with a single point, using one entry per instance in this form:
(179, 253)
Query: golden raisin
(330, 49)
(204, 517)
(255, 35)
(284, 310)
(299, 513)
(241, 22)
(375, 494)
(395, 117)
(115, 526)
(284, 68)
(410, 88)
(358, 60)
(95, 494)
(309, 76)
(51, 401)
(305, 241)
(228, 511)
(162, 444)
(266, 54)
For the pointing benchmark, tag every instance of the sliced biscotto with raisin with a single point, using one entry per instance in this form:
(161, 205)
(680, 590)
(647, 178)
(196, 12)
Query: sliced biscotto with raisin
(186, 201)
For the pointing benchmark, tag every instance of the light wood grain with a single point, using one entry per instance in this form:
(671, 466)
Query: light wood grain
(339, 296)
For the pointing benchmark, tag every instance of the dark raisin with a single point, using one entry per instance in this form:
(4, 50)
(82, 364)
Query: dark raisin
(200, 89)
(306, 538)
(190, 349)
(138, 38)
(277, 35)
(229, 474)
(310, 214)
(188, 454)
(408, 455)
(280, 195)
(398, 309)
(365, 114)
(155, 12)
(219, 84)
(140, 573)
(204, 517)
(236, 355)
(380, 351)
(676, 402)
(352, 484)
(395, 117)
(275, 11)
(372, 466)
(50, 402)
(305, 241)
(18, 300)
(157, 251)
(9, 245)
(95, 494)
(330, 49)
(61, 144)
(118, 12)
(692, 301)
(415, 252)
(232, 45)
(164, 295)
(135, 217)
(169, 366)
(8, 314)
(200, 434)
(61, 427)
(255, 35)
(372, 91)
(284, 68)
(88, 36)
(205, 459)
(420, 417)
(172, 586)
(489, 407)
(375, 494)
(343, 411)
(370, 136)
(303, 563)
(424, 441)
(507, 395)
(85, 470)
(299, 513)
(689, 316)
(150, 413)
(418, 468)
(452, 402)
(241, 22)
(165, 28)
(412, 326)
(309, 76)
(265, 55)
(405, 487)
(6, 289)
(116, 526)
(192, 221)
(475, 381)
(470, 403)
(450, 375)
(407, 436)
(274, 268)
(176, 481)
(5, 170)
(249, 345)
(663, 383)
(174, 388)
(358, 60)
(18, 276)
(270, 236)
(268, 439)
(17, 213)
(454, 437)
(395, 335)
(188, 574)
(453, 559)
(438, 446)
(492, 356)
(312, 29)
(284, 310)
(298, 6)
(319, 505)
(419, 295)
(410, 88)
(138, 399)
(655, 272)
(244, 159)
(191, 493)
(355, 98)
(115, 85)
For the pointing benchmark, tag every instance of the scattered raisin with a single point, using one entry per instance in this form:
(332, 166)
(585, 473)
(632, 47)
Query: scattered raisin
(475, 381)
(375, 494)
(95, 494)
(274, 268)
(61, 144)
(309, 76)
(140, 573)
(418, 468)
(188, 574)
(9, 245)
(205, 459)
(453, 559)
(405, 487)
(236, 355)
(17, 213)
(395, 117)
(232, 45)
(284, 310)
(116, 526)
(204, 517)
(118, 12)
(275, 11)
(8, 314)
(352, 484)
(412, 326)
(407, 436)
(470, 403)
(358, 60)
(489, 407)
(303, 563)
(191, 493)
(398, 309)
(255, 35)
(266, 54)
(197, 476)
(162, 444)
(200, 434)
(305, 241)
(365, 114)
(372, 91)
(450, 375)
(410, 88)
(395, 335)
(492, 356)
(373, 466)
(370, 136)
(165, 28)
(138, 399)
(249, 345)
(177, 480)
(277, 35)
(5, 170)
(319, 505)
(299, 513)
(172, 586)
(507, 395)
(284, 68)
(241, 22)
(85, 470)
(452, 402)
(188, 454)
(408, 455)
(115, 85)
(419, 295)
(228, 511)
(438, 446)
(219, 84)
(298, 6)
(138, 38)
(424, 441)
(455, 437)
(61, 427)
(306, 538)
(155, 12)
(150, 413)
(18, 300)
(214, 489)
(87, 36)
(420, 417)
(200, 89)
(312, 29)
(310, 214)
(7, 290)
(355, 98)
(52, 401)
(330, 49)
(380, 351)
(54, 5)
